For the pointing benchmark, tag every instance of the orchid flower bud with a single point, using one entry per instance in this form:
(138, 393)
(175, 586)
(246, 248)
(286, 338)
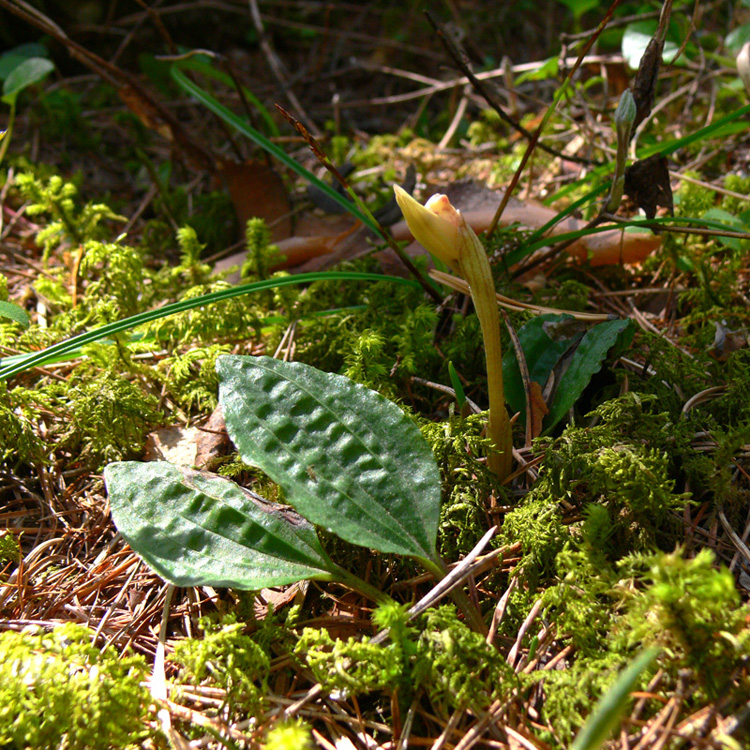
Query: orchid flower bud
(624, 118)
(743, 65)
(437, 226)
(440, 229)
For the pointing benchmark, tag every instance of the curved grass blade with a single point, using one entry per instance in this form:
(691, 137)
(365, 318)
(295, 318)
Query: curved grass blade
(196, 529)
(54, 352)
(199, 63)
(347, 459)
(258, 138)
(606, 715)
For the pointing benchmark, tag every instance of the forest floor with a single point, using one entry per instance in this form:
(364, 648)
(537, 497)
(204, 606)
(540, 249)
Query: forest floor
(214, 532)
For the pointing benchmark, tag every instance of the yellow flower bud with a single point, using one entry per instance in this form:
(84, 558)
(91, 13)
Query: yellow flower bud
(436, 226)
(440, 229)
(743, 65)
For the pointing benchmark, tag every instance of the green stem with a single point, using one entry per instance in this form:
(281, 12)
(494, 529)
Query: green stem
(8, 131)
(357, 584)
(475, 268)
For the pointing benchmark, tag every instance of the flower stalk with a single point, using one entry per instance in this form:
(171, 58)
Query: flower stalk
(441, 229)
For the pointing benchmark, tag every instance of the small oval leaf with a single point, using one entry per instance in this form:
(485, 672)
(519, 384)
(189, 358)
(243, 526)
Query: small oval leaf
(197, 529)
(347, 459)
(25, 74)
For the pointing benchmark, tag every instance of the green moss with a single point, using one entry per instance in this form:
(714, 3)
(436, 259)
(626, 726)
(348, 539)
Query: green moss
(190, 269)
(58, 689)
(261, 254)
(692, 609)
(293, 734)
(227, 658)
(114, 277)
(95, 416)
(571, 693)
(439, 656)
(19, 443)
(191, 377)
(691, 199)
(455, 666)
(737, 184)
(487, 129)
(621, 465)
(458, 443)
(10, 549)
(379, 346)
(56, 199)
(687, 607)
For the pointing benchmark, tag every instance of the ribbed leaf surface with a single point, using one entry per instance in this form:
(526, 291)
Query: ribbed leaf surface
(198, 529)
(347, 459)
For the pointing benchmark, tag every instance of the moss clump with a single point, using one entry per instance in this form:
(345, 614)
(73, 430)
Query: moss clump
(56, 199)
(101, 415)
(692, 609)
(457, 444)
(59, 690)
(191, 377)
(620, 465)
(289, 735)
(687, 607)
(227, 658)
(439, 656)
(261, 253)
(10, 549)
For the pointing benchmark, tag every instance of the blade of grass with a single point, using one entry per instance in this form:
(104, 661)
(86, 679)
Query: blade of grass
(663, 148)
(47, 355)
(606, 715)
(197, 64)
(243, 127)
(266, 325)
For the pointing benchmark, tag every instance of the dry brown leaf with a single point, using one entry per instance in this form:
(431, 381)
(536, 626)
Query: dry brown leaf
(538, 409)
(257, 190)
(212, 442)
(175, 444)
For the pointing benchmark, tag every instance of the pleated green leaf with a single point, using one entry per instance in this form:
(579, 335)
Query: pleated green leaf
(198, 529)
(347, 459)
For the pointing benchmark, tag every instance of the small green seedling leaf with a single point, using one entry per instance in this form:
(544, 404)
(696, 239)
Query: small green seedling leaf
(587, 361)
(14, 312)
(14, 57)
(25, 74)
(457, 386)
(636, 38)
(347, 459)
(610, 708)
(197, 529)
